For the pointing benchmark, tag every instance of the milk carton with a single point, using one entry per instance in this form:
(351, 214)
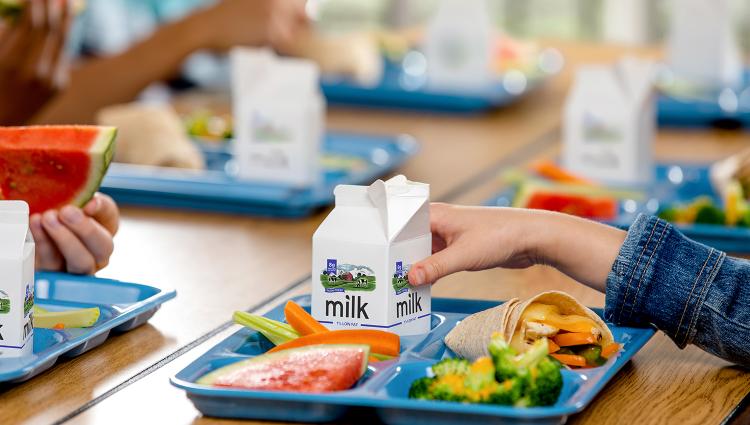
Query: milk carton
(702, 48)
(278, 117)
(458, 47)
(16, 280)
(362, 253)
(609, 122)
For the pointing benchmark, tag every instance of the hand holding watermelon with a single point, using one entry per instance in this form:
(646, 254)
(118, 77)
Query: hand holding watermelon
(76, 240)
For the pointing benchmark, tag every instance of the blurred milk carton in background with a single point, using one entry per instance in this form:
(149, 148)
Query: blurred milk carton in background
(702, 48)
(459, 46)
(279, 116)
(16, 280)
(609, 122)
(362, 253)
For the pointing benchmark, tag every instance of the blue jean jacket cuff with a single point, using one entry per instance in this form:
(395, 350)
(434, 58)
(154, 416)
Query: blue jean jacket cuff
(661, 278)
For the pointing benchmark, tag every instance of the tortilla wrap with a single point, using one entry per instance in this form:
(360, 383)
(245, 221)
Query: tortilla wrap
(567, 306)
(470, 337)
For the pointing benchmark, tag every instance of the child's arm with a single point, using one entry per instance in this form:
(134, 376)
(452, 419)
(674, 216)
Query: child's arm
(478, 238)
(651, 275)
(76, 240)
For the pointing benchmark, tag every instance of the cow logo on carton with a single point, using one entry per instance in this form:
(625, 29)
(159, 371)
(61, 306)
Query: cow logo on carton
(372, 236)
(347, 277)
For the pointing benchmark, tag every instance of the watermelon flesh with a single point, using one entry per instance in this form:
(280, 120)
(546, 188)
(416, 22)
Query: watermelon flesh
(311, 369)
(53, 166)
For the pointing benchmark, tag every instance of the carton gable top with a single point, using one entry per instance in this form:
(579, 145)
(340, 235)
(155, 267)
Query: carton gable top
(383, 212)
(260, 73)
(14, 228)
(627, 85)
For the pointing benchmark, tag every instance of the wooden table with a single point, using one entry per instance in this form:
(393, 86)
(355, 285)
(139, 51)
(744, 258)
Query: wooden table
(213, 260)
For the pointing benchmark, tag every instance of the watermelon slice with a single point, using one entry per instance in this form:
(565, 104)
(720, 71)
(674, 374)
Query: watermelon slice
(311, 369)
(52, 166)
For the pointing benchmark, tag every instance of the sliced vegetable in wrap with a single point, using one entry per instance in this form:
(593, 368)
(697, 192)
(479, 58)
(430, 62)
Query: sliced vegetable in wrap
(577, 336)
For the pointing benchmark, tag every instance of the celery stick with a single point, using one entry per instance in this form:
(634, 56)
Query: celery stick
(276, 332)
(381, 357)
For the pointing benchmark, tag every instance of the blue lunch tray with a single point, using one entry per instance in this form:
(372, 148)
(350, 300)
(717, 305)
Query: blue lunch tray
(400, 90)
(385, 386)
(674, 183)
(123, 306)
(692, 111)
(215, 190)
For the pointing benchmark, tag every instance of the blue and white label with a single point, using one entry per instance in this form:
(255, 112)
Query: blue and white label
(332, 266)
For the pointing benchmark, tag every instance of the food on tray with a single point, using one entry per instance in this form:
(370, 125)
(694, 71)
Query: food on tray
(703, 210)
(553, 188)
(52, 166)
(529, 379)
(207, 126)
(303, 330)
(311, 369)
(353, 55)
(579, 337)
(66, 319)
(151, 135)
(579, 200)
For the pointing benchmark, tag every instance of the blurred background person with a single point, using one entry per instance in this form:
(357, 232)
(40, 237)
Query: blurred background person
(118, 57)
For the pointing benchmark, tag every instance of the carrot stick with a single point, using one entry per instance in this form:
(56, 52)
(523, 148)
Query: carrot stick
(301, 320)
(610, 349)
(552, 347)
(570, 359)
(380, 342)
(574, 338)
(552, 171)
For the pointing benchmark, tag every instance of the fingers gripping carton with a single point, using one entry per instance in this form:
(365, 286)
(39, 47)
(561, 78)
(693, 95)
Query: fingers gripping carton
(362, 253)
(16, 280)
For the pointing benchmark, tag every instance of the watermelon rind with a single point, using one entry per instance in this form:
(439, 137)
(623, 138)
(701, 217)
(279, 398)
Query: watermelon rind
(101, 153)
(10, 9)
(211, 377)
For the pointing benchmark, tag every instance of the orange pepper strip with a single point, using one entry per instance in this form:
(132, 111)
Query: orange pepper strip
(552, 171)
(570, 359)
(380, 342)
(574, 338)
(610, 350)
(301, 320)
(552, 347)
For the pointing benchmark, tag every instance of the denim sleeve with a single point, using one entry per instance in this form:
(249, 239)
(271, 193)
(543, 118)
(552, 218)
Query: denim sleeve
(693, 293)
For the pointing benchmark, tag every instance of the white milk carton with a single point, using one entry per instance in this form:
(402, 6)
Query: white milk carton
(279, 117)
(702, 48)
(16, 280)
(609, 122)
(458, 47)
(362, 253)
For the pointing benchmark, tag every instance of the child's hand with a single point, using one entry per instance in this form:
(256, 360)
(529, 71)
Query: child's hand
(478, 238)
(76, 240)
(272, 23)
(474, 238)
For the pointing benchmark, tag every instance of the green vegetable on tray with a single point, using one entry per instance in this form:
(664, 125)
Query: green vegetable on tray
(703, 210)
(505, 378)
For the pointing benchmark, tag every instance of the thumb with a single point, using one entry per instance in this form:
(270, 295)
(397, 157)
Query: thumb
(436, 266)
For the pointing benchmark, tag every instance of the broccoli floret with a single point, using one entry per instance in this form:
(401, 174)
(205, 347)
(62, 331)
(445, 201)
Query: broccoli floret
(503, 356)
(669, 214)
(541, 376)
(508, 392)
(420, 388)
(451, 367)
(448, 388)
(481, 373)
(710, 214)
